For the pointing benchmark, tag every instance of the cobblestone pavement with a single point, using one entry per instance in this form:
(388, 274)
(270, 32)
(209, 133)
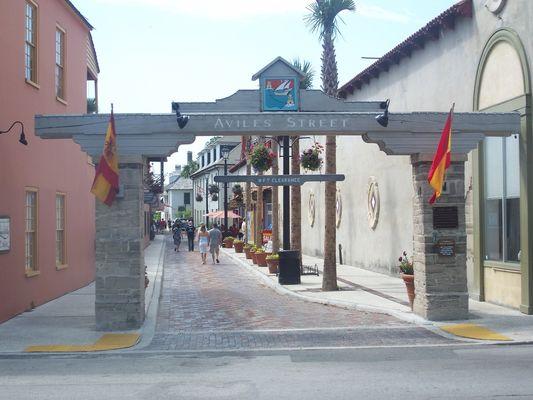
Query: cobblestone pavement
(223, 307)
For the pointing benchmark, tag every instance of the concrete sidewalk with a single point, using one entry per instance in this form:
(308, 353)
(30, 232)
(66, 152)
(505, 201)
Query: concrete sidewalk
(369, 291)
(70, 319)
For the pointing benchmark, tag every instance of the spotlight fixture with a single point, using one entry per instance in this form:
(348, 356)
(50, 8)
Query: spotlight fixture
(181, 119)
(383, 119)
(22, 138)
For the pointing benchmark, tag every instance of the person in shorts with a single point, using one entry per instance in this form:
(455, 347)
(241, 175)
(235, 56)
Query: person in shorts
(215, 240)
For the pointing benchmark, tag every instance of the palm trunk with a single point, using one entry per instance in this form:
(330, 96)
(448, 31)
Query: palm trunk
(275, 203)
(329, 86)
(296, 199)
(329, 278)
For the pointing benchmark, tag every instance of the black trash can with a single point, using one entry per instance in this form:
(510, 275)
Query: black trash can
(289, 267)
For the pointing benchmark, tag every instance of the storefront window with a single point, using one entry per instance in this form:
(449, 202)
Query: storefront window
(502, 199)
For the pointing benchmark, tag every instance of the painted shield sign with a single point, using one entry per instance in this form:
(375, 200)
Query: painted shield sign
(280, 94)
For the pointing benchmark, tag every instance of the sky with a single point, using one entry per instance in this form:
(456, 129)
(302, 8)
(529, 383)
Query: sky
(153, 52)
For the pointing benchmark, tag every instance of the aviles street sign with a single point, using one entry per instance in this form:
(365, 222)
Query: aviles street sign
(280, 180)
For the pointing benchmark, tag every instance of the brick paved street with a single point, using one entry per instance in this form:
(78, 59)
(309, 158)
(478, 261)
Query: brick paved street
(223, 306)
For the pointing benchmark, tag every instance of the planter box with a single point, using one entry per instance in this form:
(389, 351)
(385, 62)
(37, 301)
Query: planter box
(272, 266)
(248, 254)
(261, 259)
(238, 247)
(254, 257)
(409, 281)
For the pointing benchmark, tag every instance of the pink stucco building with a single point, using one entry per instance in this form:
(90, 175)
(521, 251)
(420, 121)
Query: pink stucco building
(46, 209)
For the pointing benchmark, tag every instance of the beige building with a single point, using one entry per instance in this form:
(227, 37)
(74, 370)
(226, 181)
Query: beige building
(477, 57)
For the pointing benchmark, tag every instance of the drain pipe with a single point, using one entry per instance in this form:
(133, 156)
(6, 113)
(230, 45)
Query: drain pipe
(340, 254)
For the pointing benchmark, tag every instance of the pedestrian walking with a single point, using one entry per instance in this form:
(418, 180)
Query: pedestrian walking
(215, 240)
(242, 231)
(191, 230)
(176, 236)
(203, 242)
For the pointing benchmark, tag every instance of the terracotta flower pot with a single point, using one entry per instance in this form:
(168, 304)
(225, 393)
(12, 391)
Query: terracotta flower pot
(254, 257)
(248, 253)
(261, 259)
(410, 285)
(228, 244)
(238, 247)
(272, 266)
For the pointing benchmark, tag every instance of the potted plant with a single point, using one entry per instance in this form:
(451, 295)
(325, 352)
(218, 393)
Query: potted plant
(228, 242)
(272, 263)
(311, 159)
(248, 251)
(407, 274)
(199, 197)
(214, 197)
(254, 254)
(261, 157)
(238, 245)
(260, 257)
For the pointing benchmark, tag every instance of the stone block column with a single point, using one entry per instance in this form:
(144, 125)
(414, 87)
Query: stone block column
(120, 253)
(440, 280)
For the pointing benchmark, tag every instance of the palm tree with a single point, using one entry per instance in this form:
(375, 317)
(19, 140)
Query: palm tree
(323, 18)
(296, 193)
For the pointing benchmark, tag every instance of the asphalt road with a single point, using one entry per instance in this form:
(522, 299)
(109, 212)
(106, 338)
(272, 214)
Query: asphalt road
(220, 335)
(471, 372)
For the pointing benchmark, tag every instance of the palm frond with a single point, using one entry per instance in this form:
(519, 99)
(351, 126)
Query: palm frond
(309, 74)
(322, 17)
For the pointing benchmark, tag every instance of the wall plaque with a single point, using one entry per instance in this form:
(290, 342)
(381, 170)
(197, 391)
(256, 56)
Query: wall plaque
(446, 247)
(445, 218)
(280, 94)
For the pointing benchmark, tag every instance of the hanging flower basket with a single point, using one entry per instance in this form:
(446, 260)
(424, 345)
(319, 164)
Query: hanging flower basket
(311, 159)
(261, 158)
(237, 190)
(214, 197)
(199, 197)
(213, 189)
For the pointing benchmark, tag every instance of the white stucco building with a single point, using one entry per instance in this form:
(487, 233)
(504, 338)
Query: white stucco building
(479, 58)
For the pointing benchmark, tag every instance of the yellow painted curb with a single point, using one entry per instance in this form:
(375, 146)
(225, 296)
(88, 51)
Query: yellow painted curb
(109, 341)
(473, 331)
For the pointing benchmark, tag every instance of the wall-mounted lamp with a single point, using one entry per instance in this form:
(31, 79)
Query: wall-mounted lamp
(383, 119)
(182, 119)
(22, 138)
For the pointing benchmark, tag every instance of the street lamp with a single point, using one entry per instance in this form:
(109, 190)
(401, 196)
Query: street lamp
(22, 138)
(225, 150)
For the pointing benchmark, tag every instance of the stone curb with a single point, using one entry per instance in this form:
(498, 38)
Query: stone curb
(407, 317)
(150, 322)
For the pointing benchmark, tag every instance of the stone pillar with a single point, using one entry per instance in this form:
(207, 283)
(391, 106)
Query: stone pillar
(440, 280)
(120, 254)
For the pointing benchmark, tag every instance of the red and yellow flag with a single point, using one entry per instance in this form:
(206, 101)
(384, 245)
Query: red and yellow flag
(441, 160)
(105, 185)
